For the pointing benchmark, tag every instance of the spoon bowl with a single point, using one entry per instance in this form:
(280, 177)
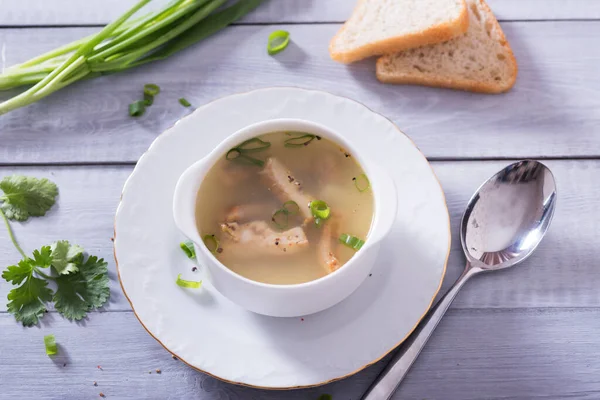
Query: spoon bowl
(508, 216)
(503, 224)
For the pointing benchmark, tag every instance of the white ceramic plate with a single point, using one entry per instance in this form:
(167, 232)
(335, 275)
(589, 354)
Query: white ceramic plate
(213, 335)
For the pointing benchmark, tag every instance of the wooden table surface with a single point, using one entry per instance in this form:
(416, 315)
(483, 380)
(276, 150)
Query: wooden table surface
(532, 332)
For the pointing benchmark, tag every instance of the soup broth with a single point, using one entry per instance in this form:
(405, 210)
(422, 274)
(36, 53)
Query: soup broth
(256, 201)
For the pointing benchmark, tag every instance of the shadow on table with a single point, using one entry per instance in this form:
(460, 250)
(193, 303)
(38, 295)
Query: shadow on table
(61, 359)
(293, 57)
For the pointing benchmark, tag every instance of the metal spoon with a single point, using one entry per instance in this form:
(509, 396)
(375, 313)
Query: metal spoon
(503, 224)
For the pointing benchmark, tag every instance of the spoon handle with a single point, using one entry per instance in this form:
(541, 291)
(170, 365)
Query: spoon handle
(388, 381)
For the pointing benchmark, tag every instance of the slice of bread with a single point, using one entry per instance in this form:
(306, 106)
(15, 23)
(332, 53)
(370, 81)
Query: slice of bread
(481, 60)
(379, 27)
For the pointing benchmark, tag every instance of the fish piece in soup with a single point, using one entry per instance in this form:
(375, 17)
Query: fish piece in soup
(325, 248)
(285, 186)
(257, 239)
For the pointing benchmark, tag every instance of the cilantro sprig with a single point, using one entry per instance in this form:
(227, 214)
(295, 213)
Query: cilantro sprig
(78, 283)
(27, 302)
(25, 196)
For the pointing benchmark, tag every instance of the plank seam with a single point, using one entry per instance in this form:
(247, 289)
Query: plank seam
(51, 26)
(431, 159)
(452, 310)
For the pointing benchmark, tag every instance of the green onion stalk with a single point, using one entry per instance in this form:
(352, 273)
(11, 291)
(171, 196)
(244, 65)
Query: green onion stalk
(123, 44)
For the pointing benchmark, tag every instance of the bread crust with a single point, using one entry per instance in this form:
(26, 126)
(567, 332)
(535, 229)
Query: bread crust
(435, 34)
(460, 84)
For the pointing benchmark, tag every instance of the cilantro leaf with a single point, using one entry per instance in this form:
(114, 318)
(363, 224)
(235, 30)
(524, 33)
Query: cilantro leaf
(26, 302)
(26, 196)
(83, 291)
(43, 257)
(16, 274)
(64, 256)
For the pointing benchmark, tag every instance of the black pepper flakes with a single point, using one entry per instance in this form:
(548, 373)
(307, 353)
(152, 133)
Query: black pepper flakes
(158, 371)
(318, 137)
(174, 358)
(290, 178)
(112, 239)
(276, 243)
(95, 383)
(354, 178)
(346, 155)
(370, 274)
(220, 250)
(194, 269)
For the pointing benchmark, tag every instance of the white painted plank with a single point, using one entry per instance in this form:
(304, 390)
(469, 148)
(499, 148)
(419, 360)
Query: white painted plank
(509, 355)
(554, 110)
(120, 345)
(75, 12)
(562, 273)
(473, 355)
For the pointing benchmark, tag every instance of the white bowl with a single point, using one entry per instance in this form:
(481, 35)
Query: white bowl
(298, 299)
